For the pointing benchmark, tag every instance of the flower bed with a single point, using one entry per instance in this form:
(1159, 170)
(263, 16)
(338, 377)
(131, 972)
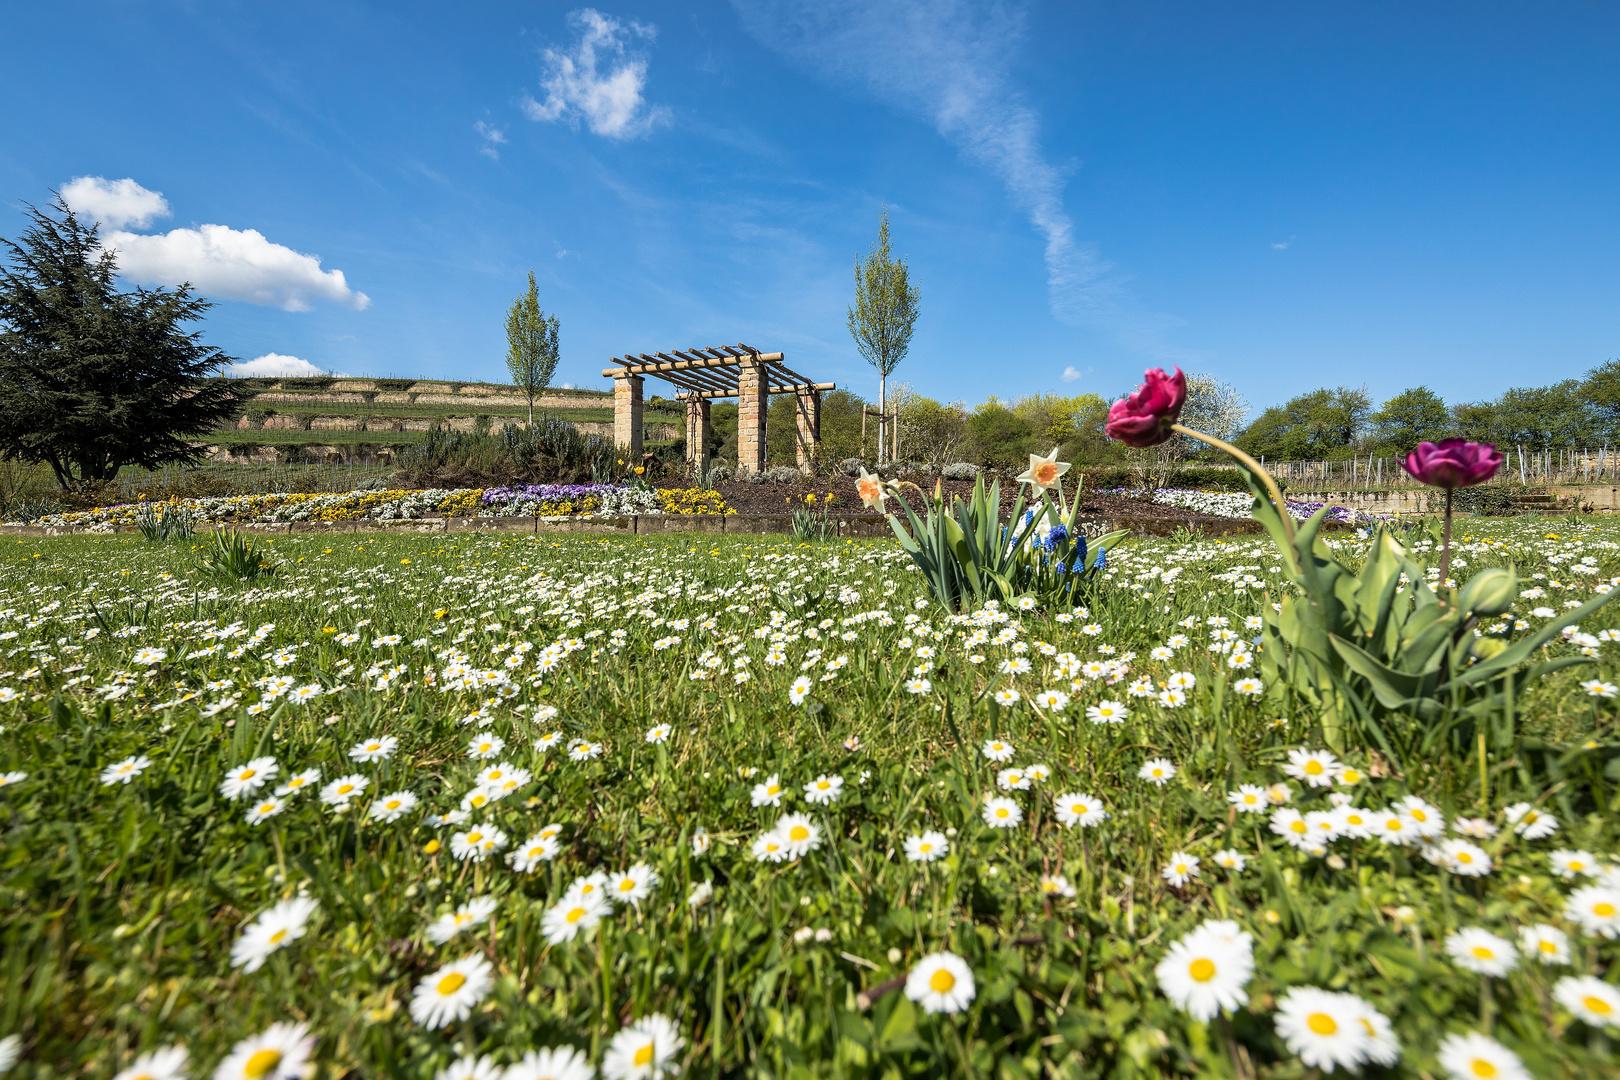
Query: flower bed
(543, 500)
(1231, 504)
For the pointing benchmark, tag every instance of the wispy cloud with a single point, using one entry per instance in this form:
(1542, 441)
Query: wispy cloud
(1284, 245)
(493, 137)
(1070, 374)
(950, 62)
(601, 79)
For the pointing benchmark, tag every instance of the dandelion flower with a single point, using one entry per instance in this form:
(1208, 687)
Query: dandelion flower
(1206, 971)
(246, 779)
(1478, 950)
(448, 995)
(168, 1063)
(644, 1051)
(929, 846)
(1471, 1056)
(941, 982)
(1156, 771)
(280, 1052)
(1078, 808)
(1590, 999)
(1002, 813)
(1324, 1028)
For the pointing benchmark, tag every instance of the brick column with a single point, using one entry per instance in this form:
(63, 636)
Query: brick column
(697, 431)
(627, 416)
(752, 380)
(809, 417)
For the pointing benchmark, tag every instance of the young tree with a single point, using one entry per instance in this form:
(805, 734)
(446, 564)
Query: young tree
(884, 314)
(91, 378)
(531, 344)
(1411, 417)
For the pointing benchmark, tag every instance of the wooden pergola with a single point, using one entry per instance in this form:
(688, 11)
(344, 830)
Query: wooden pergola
(703, 375)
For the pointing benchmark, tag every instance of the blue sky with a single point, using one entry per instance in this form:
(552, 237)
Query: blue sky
(1284, 195)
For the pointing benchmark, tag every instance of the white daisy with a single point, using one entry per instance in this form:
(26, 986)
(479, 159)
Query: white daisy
(377, 749)
(1530, 823)
(941, 982)
(1471, 1056)
(280, 1052)
(1596, 908)
(824, 789)
(929, 846)
(392, 807)
(448, 995)
(474, 912)
(1325, 1029)
(122, 772)
(1002, 813)
(644, 1051)
(1156, 771)
(1590, 999)
(561, 1063)
(1206, 971)
(632, 886)
(1478, 950)
(998, 749)
(246, 779)
(1181, 868)
(167, 1063)
(1078, 808)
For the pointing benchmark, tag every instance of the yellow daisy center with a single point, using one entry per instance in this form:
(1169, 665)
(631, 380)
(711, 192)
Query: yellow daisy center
(1079, 808)
(1548, 946)
(798, 832)
(1297, 826)
(1597, 1005)
(1603, 909)
(1202, 969)
(474, 837)
(279, 936)
(1483, 952)
(942, 981)
(1321, 1023)
(1314, 768)
(575, 914)
(451, 983)
(248, 774)
(1481, 1067)
(644, 1054)
(262, 1063)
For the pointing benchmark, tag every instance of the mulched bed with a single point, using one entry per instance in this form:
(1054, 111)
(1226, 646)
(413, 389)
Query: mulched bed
(771, 498)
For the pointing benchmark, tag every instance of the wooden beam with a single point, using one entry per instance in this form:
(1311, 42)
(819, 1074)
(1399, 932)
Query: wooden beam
(651, 366)
(821, 387)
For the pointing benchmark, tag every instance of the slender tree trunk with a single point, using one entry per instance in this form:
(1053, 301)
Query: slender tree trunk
(531, 408)
(883, 411)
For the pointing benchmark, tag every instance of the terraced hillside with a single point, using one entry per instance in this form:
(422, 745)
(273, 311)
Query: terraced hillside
(370, 419)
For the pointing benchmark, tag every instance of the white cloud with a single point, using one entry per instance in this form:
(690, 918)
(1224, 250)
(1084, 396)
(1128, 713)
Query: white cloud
(600, 79)
(950, 61)
(493, 136)
(114, 203)
(221, 262)
(230, 264)
(273, 366)
(1070, 374)
(1284, 245)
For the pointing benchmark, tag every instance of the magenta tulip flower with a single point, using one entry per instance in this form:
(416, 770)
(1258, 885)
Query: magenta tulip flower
(1145, 417)
(1453, 463)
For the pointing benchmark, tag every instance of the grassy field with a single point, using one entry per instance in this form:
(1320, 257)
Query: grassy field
(476, 737)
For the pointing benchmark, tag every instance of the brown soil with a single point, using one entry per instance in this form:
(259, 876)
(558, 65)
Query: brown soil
(773, 498)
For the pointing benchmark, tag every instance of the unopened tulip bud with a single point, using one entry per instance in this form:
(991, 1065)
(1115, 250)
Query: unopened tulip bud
(1491, 592)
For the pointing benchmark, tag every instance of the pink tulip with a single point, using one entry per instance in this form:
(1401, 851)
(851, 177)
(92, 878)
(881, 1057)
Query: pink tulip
(1453, 463)
(1144, 418)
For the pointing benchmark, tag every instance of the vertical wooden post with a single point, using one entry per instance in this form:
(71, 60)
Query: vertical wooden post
(753, 377)
(627, 416)
(697, 431)
(808, 415)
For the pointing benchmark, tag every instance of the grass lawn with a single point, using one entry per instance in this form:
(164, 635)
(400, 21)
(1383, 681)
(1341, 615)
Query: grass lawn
(435, 797)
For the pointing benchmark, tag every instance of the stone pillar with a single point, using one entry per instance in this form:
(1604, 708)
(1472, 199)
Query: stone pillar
(809, 417)
(627, 416)
(752, 380)
(697, 431)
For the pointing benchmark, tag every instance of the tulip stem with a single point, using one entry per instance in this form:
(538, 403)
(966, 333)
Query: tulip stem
(1254, 467)
(1445, 546)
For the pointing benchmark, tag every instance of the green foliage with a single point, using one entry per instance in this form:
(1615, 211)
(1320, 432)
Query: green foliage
(170, 524)
(1381, 658)
(93, 379)
(1320, 424)
(1411, 417)
(549, 450)
(531, 344)
(811, 526)
(968, 556)
(236, 556)
(1001, 437)
(885, 310)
